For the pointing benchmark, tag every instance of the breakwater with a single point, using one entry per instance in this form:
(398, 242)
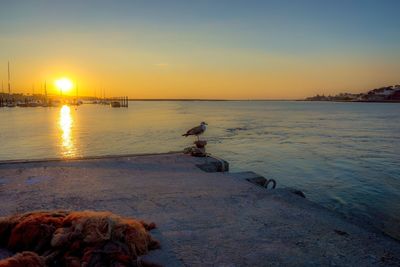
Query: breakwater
(203, 218)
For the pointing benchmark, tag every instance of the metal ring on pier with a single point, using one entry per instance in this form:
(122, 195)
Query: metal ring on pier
(267, 183)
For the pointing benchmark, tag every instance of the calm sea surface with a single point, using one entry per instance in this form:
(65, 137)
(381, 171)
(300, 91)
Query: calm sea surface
(345, 156)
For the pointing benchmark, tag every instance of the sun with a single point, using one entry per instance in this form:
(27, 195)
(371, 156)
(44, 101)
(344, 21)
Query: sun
(64, 84)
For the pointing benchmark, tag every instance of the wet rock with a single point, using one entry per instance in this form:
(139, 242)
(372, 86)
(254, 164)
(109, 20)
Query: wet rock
(200, 143)
(339, 232)
(298, 192)
(195, 152)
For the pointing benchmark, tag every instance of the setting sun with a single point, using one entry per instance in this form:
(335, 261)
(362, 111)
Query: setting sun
(64, 84)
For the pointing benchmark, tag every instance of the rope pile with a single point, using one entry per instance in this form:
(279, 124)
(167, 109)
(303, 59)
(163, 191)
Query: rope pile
(83, 238)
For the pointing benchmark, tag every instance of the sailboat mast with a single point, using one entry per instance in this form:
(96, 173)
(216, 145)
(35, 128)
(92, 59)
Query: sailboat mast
(9, 85)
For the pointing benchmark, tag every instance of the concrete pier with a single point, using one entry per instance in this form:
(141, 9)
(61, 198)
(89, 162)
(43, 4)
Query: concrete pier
(204, 218)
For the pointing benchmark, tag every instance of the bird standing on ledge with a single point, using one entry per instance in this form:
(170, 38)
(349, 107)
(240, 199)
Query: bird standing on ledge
(198, 130)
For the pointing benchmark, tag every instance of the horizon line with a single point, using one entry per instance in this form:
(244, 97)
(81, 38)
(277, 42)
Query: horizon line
(160, 99)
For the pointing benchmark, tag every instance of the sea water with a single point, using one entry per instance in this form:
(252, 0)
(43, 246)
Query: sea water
(345, 156)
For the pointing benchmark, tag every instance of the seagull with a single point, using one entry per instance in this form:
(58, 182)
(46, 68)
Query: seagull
(198, 130)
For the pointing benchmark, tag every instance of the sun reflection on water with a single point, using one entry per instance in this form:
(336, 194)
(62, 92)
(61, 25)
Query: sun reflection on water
(65, 123)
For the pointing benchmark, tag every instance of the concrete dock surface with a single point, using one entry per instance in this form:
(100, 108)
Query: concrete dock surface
(203, 218)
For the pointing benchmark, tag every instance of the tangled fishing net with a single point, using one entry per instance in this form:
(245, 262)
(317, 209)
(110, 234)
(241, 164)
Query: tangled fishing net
(83, 238)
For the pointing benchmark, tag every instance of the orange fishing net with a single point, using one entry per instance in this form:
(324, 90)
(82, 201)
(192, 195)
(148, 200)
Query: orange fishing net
(83, 238)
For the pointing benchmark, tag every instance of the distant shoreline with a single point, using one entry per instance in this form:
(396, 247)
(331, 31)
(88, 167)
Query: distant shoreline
(385, 94)
(21, 97)
(189, 100)
(262, 100)
(354, 101)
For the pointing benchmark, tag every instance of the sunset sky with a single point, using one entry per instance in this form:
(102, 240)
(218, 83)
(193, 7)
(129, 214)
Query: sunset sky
(202, 49)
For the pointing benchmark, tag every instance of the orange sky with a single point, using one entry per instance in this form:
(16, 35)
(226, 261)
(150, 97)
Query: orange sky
(267, 78)
(177, 53)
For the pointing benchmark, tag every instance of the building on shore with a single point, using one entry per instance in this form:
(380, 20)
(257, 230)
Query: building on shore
(382, 94)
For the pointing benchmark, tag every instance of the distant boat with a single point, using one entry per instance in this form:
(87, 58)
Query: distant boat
(11, 105)
(55, 103)
(34, 104)
(22, 104)
(31, 103)
(115, 104)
